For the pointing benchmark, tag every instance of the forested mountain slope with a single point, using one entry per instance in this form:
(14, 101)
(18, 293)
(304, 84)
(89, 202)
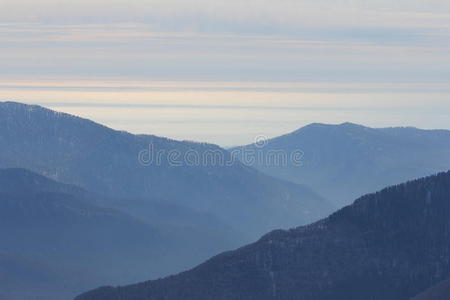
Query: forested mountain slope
(390, 245)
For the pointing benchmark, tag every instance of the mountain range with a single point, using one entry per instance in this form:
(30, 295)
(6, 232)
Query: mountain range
(389, 245)
(345, 161)
(121, 165)
(57, 241)
(83, 205)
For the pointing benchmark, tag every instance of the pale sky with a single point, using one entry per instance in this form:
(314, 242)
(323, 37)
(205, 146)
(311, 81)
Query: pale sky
(226, 71)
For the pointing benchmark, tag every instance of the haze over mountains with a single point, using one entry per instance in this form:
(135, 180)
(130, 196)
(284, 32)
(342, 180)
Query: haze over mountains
(185, 196)
(390, 245)
(56, 242)
(343, 162)
(83, 205)
(80, 152)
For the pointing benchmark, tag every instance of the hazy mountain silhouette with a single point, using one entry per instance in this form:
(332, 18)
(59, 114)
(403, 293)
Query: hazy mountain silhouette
(390, 245)
(56, 243)
(343, 162)
(78, 151)
(22, 278)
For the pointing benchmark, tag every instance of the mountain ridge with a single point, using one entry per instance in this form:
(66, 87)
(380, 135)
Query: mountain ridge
(108, 162)
(59, 230)
(390, 245)
(348, 160)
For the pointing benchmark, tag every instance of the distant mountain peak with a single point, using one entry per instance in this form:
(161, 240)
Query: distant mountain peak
(352, 125)
(24, 106)
(347, 160)
(28, 109)
(18, 107)
(345, 125)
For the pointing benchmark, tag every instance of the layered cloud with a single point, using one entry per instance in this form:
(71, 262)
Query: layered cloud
(224, 40)
(274, 65)
(223, 14)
